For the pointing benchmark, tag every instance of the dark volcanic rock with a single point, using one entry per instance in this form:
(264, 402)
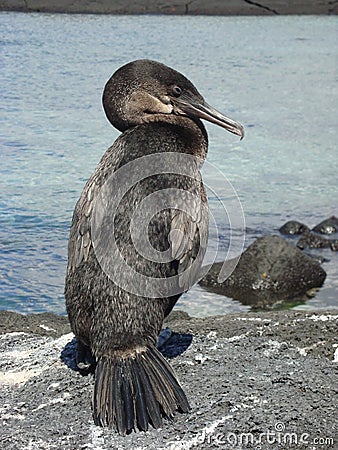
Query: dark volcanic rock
(230, 7)
(328, 226)
(293, 227)
(312, 240)
(244, 375)
(269, 271)
(44, 324)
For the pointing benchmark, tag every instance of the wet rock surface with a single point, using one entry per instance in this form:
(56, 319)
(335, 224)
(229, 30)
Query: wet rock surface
(269, 271)
(293, 227)
(312, 240)
(246, 375)
(328, 226)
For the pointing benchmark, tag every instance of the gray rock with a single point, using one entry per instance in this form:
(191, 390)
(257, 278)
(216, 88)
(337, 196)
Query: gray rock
(269, 271)
(215, 7)
(46, 324)
(246, 375)
(327, 226)
(293, 227)
(312, 240)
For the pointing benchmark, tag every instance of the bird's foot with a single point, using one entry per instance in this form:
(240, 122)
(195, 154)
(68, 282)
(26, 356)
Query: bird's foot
(163, 338)
(84, 357)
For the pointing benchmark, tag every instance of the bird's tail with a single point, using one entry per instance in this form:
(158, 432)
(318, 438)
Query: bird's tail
(136, 390)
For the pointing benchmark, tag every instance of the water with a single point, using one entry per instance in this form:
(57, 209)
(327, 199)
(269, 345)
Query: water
(277, 75)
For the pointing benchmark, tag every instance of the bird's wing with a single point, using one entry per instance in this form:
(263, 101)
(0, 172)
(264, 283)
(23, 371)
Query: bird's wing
(80, 242)
(189, 233)
(183, 225)
(80, 239)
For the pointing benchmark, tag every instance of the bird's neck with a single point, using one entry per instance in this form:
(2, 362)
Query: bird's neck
(190, 132)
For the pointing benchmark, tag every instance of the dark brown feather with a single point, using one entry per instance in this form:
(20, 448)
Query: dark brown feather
(131, 392)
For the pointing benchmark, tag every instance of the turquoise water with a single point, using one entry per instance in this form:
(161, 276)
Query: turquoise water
(277, 75)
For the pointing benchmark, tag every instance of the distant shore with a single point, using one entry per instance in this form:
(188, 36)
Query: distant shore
(179, 7)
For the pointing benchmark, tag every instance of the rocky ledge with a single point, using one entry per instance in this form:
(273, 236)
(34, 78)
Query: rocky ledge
(193, 7)
(256, 380)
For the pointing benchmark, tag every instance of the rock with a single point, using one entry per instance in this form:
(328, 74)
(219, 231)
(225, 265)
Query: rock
(328, 226)
(293, 227)
(46, 324)
(334, 245)
(239, 373)
(312, 240)
(269, 271)
(200, 7)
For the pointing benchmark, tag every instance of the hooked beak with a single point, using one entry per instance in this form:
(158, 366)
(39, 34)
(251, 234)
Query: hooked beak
(207, 112)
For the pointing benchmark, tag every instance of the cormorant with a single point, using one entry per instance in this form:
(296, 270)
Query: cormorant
(115, 316)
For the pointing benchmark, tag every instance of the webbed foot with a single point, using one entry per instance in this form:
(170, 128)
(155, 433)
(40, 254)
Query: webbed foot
(84, 357)
(163, 338)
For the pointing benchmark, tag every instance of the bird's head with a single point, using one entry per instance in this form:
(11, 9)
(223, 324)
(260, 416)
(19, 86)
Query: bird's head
(143, 91)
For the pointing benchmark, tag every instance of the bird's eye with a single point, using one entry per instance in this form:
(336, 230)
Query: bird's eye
(177, 91)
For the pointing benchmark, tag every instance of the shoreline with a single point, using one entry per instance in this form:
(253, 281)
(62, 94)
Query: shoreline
(181, 7)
